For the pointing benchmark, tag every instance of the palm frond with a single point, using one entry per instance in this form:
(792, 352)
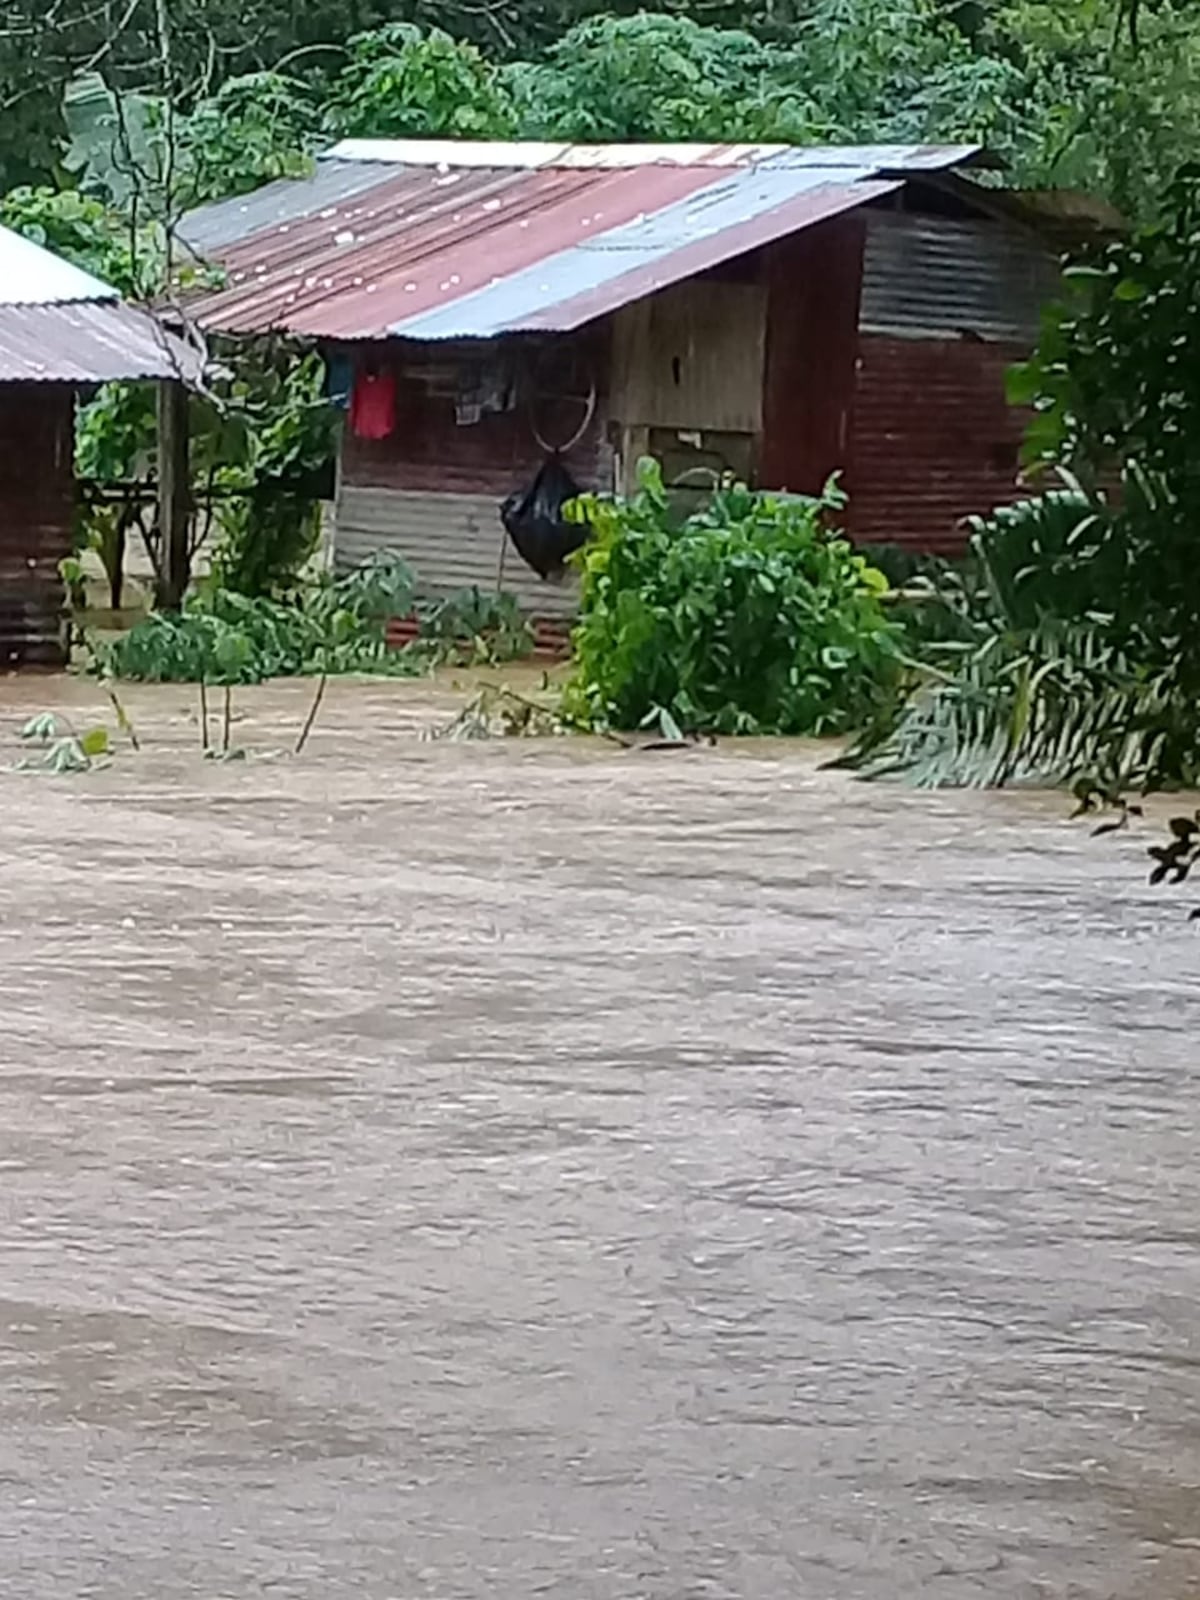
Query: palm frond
(1036, 706)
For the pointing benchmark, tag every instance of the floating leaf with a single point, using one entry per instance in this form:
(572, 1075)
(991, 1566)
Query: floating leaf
(43, 727)
(66, 755)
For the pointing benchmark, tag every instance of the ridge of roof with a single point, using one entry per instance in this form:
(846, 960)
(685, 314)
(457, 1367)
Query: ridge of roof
(534, 154)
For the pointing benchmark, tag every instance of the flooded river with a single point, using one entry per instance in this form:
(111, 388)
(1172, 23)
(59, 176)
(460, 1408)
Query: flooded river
(487, 1172)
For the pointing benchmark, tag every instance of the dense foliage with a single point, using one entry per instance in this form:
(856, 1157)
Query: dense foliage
(330, 625)
(749, 617)
(1075, 653)
(1065, 93)
(335, 625)
(1116, 387)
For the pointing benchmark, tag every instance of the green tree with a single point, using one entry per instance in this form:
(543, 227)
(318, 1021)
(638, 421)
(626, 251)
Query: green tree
(1100, 112)
(400, 82)
(1115, 387)
(661, 77)
(255, 128)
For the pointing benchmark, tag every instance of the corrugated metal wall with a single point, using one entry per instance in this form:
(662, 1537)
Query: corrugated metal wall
(947, 306)
(452, 541)
(812, 333)
(431, 492)
(933, 438)
(36, 514)
(940, 275)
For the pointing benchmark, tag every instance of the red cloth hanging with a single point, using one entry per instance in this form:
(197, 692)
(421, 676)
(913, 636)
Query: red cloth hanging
(373, 404)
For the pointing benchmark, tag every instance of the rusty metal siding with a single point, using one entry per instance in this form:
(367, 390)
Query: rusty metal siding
(36, 515)
(933, 439)
(813, 284)
(452, 542)
(431, 492)
(430, 452)
(928, 275)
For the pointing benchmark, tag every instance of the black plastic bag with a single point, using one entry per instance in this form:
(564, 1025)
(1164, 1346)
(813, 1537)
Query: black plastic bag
(534, 522)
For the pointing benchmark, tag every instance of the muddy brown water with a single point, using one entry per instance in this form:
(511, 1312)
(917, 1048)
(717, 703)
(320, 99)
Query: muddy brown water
(536, 1169)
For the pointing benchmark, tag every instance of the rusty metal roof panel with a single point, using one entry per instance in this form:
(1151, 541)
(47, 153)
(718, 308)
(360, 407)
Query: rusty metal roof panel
(419, 239)
(430, 250)
(59, 324)
(213, 227)
(599, 274)
(88, 342)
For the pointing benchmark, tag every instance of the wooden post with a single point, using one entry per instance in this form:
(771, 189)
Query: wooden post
(174, 495)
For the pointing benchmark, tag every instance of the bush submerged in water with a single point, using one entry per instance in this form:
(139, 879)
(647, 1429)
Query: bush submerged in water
(334, 625)
(748, 617)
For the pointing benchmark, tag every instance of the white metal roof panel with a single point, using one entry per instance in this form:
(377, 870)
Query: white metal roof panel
(32, 276)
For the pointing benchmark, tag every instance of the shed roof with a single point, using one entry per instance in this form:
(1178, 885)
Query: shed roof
(59, 324)
(438, 239)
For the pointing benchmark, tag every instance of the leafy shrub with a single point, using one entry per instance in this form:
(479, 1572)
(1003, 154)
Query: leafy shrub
(1059, 554)
(474, 627)
(750, 617)
(337, 625)
(1038, 663)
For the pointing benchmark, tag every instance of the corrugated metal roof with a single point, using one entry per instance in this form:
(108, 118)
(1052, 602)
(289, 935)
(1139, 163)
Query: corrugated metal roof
(58, 324)
(86, 342)
(451, 240)
(335, 183)
(31, 276)
(585, 280)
